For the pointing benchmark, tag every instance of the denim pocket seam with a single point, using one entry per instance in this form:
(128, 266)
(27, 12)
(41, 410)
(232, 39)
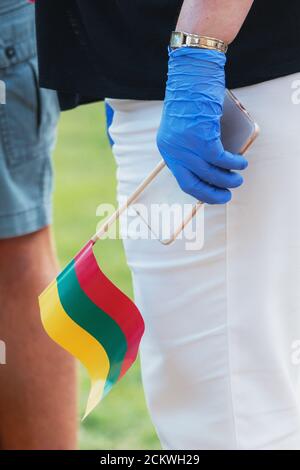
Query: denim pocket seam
(16, 154)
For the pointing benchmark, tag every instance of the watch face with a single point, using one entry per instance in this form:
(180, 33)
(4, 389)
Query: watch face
(176, 39)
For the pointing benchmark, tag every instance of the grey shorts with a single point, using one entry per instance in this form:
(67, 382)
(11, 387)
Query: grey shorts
(27, 126)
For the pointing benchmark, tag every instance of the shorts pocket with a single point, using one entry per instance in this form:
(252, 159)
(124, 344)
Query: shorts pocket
(21, 116)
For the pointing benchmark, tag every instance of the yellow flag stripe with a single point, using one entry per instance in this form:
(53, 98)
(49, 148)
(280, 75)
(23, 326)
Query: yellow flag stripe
(68, 334)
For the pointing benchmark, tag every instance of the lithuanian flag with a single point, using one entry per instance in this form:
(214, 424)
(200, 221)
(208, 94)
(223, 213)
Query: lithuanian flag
(86, 314)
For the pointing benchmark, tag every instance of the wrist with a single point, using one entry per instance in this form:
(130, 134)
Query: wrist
(219, 18)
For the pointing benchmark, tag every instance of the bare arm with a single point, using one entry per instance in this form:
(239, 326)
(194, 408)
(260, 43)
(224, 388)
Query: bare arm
(221, 19)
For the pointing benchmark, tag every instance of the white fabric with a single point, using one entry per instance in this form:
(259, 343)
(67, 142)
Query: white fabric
(222, 322)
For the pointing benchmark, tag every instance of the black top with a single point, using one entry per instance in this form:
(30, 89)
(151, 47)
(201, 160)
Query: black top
(91, 49)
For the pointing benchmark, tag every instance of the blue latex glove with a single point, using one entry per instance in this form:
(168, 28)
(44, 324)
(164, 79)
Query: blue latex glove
(189, 134)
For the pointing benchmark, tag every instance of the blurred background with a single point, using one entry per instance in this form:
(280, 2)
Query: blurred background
(84, 178)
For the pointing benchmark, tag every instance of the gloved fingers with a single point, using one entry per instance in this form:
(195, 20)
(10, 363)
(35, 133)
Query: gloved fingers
(210, 173)
(213, 152)
(227, 160)
(210, 152)
(202, 191)
(221, 178)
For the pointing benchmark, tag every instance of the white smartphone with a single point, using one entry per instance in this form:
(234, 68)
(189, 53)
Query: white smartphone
(161, 190)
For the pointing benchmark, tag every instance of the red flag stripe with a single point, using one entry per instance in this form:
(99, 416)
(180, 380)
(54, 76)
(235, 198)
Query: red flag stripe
(103, 293)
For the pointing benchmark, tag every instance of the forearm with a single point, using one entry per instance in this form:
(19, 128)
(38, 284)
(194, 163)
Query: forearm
(221, 19)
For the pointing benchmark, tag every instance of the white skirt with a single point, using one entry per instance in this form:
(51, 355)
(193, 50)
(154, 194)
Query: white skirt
(221, 352)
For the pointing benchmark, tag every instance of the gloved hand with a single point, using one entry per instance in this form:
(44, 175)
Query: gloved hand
(189, 134)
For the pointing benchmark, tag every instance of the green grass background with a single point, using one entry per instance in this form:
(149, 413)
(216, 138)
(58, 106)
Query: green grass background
(84, 178)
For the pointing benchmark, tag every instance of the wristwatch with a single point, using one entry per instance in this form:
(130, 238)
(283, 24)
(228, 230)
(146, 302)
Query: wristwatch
(182, 39)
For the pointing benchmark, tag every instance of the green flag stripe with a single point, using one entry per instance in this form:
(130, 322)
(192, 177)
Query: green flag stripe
(95, 321)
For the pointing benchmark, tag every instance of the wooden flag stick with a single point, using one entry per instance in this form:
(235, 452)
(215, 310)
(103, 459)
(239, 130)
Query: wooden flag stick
(115, 216)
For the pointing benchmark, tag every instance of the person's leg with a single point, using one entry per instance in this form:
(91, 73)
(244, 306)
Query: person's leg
(221, 322)
(181, 296)
(37, 383)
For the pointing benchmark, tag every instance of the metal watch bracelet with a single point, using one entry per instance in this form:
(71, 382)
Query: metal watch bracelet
(183, 39)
